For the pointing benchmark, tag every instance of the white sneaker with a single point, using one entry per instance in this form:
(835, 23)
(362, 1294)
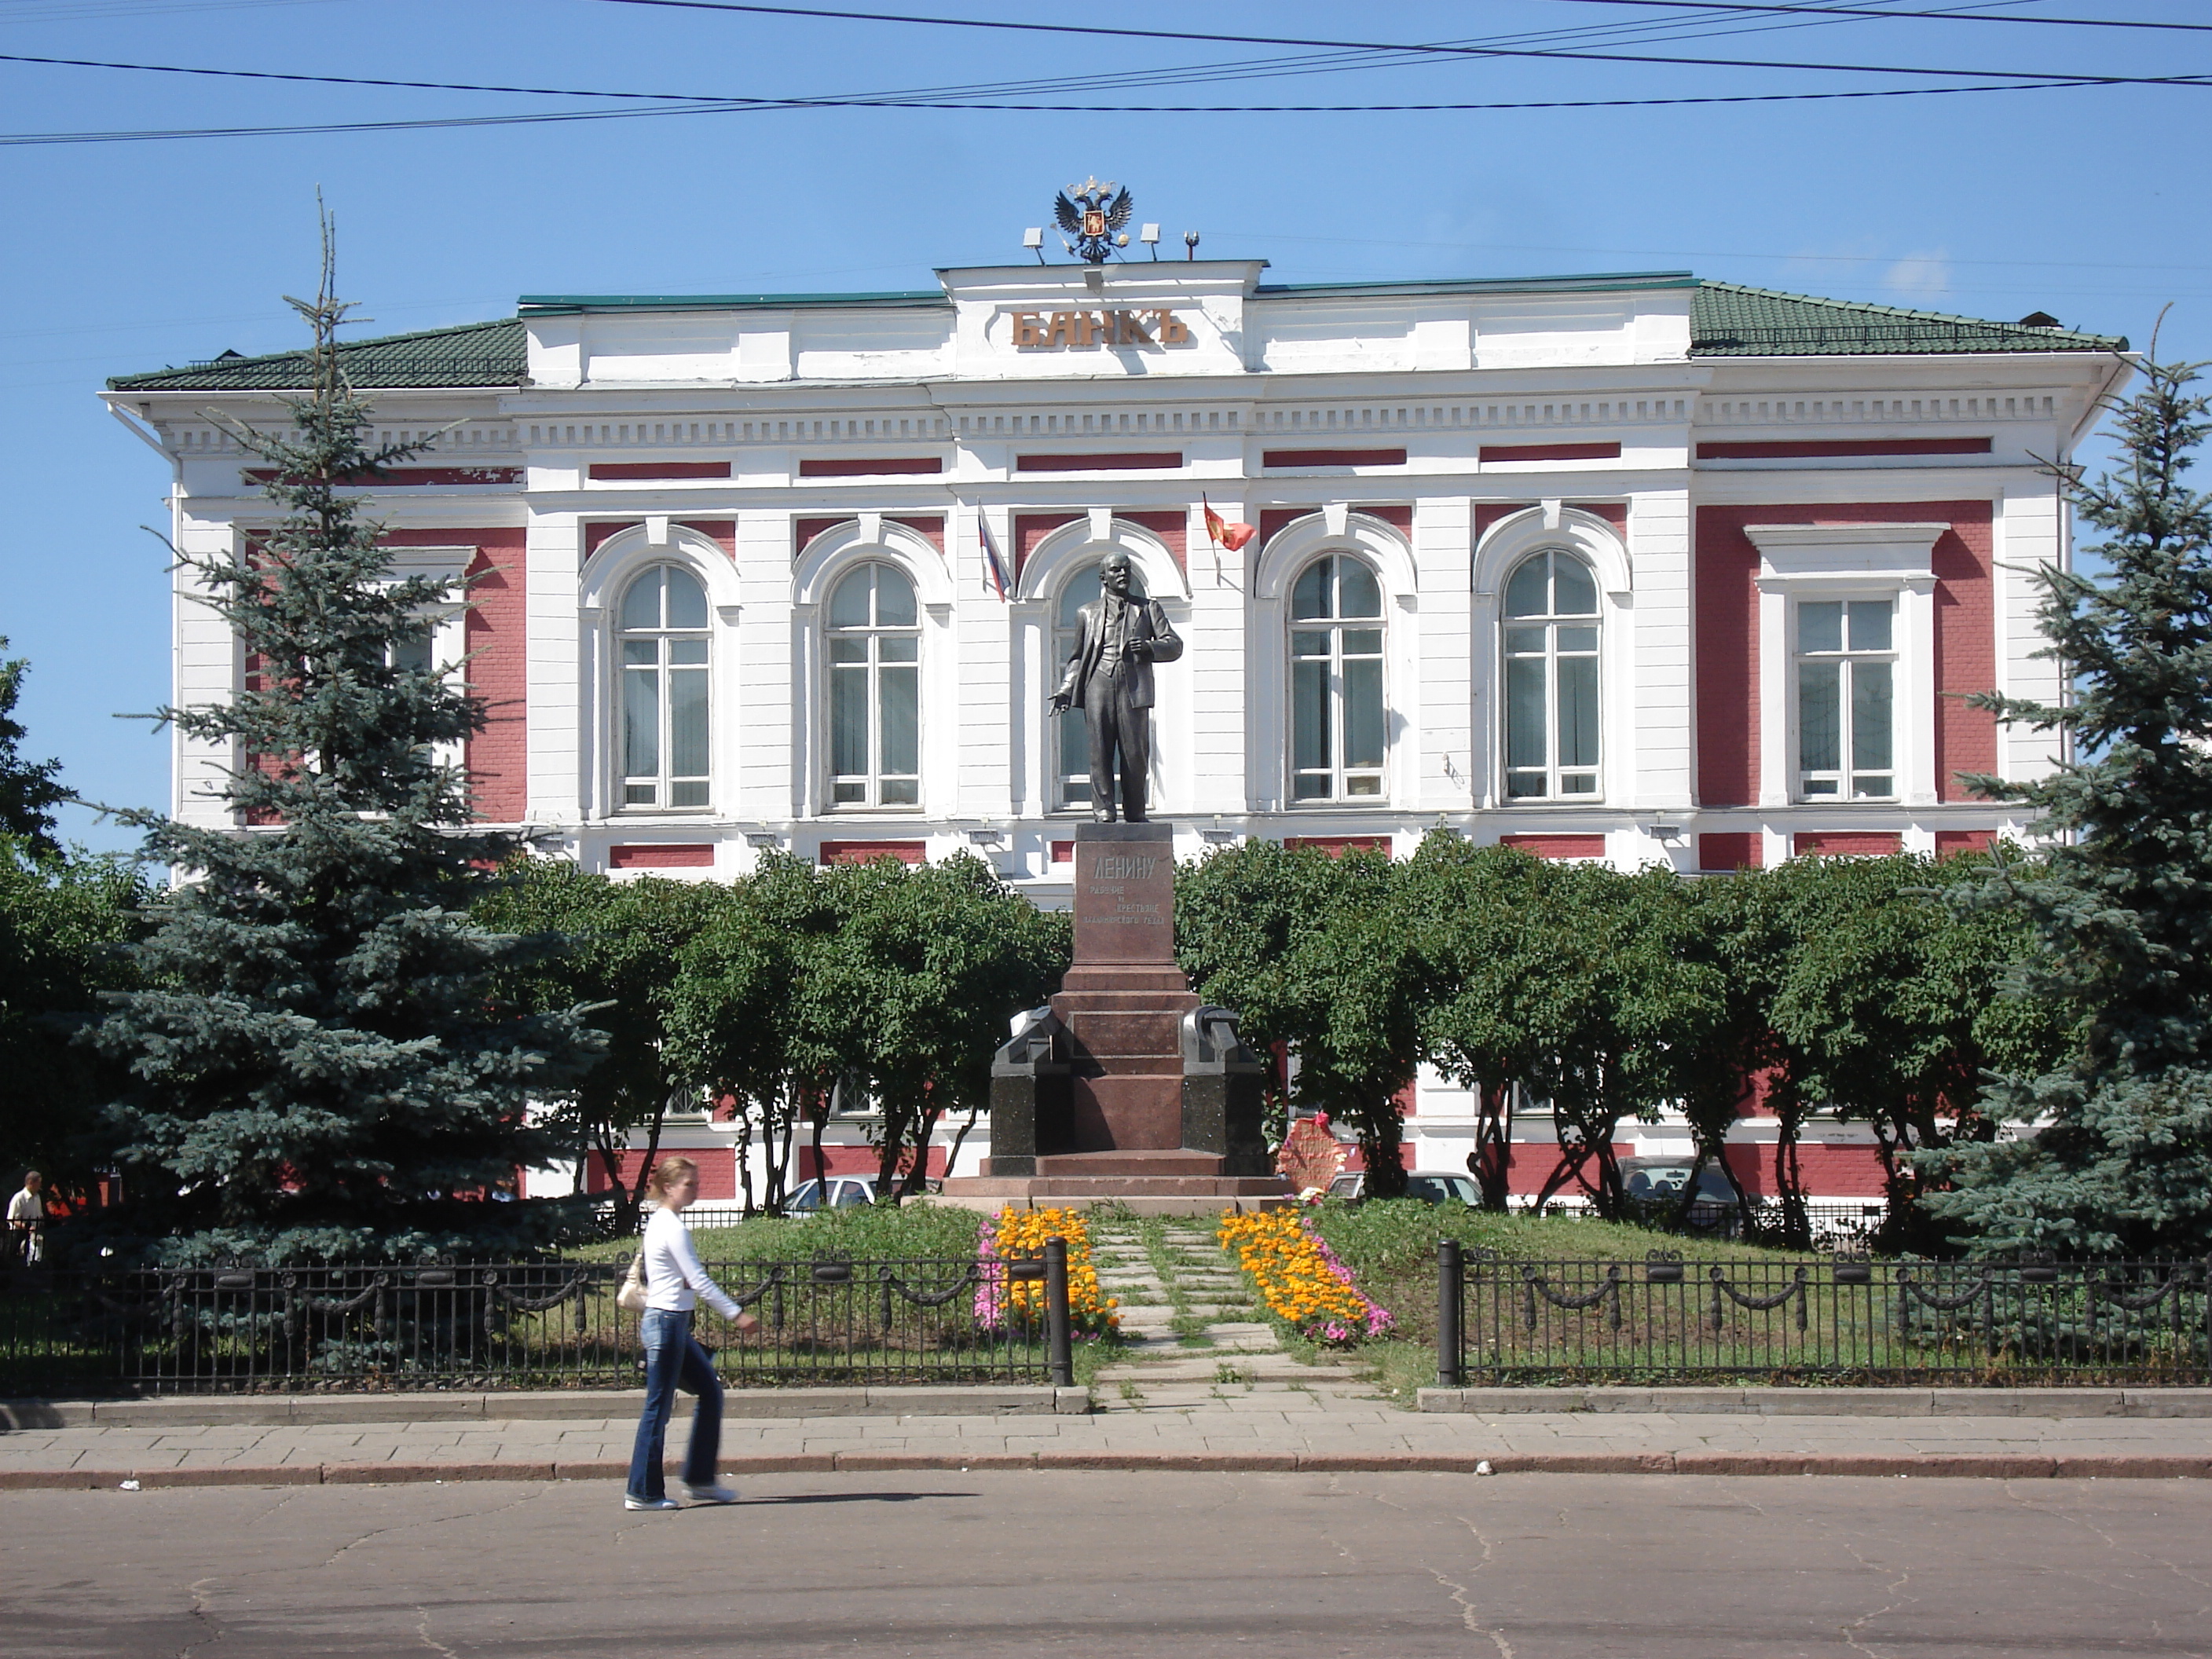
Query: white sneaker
(711, 1494)
(629, 1502)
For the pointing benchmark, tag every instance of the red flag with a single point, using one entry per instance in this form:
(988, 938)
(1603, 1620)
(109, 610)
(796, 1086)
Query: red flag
(1221, 531)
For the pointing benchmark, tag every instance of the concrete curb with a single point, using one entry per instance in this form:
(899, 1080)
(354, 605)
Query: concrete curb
(541, 1406)
(1935, 1466)
(1827, 1401)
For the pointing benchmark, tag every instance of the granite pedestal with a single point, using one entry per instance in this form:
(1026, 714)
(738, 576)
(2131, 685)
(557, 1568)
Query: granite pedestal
(1128, 1088)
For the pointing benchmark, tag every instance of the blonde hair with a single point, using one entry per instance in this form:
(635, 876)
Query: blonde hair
(666, 1173)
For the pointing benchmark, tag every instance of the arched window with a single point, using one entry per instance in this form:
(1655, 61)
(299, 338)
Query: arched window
(663, 651)
(875, 689)
(1551, 722)
(1071, 736)
(1338, 721)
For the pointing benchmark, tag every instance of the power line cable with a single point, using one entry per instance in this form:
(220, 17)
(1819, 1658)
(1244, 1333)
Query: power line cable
(1958, 16)
(750, 105)
(1552, 55)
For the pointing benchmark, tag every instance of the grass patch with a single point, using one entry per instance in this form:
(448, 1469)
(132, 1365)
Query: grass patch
(1397, 1368)
(909, 1232)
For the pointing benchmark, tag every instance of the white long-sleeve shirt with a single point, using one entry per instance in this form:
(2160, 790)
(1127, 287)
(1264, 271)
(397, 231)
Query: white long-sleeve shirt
(27, 1208)
(674, 1281)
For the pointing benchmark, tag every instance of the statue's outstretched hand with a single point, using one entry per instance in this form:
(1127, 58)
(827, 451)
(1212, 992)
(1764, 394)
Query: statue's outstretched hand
(1058, 703)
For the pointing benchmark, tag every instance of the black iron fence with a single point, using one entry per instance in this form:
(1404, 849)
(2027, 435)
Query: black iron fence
(508, 1325)
(1839, 1320)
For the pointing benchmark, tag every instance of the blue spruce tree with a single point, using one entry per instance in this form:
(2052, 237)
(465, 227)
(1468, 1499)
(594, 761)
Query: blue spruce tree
(2122, 902)
(319, 1065)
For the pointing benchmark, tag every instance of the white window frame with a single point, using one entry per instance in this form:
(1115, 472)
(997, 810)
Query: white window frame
(1552, 526)
(1550, 622)
(1335, 627)
(1269, 772)
(1850, 660)
(663, 781)
(1803, 561)
(606, 577)
(449, 623)
(872, 781)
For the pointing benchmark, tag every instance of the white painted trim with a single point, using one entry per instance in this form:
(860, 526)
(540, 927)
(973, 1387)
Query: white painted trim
(1552, 528)
(610, 569)
(1798, 562)
(1072, 545)
(1505, 544)
(1266, 654)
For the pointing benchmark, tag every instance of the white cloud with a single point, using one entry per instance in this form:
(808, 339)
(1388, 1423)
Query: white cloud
(1920, 277)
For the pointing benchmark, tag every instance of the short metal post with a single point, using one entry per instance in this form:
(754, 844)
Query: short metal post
(1451, 1286)
(1059, 1335)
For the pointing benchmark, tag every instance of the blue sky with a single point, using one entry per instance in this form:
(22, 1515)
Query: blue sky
(2086, 201)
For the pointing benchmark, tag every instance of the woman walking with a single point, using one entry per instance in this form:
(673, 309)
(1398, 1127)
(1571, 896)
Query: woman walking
(674, 1281)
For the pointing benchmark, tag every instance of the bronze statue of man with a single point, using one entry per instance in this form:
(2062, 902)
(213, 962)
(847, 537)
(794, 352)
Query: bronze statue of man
(1109, 676)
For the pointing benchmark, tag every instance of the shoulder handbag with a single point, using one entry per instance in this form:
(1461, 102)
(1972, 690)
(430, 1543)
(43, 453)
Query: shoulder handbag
(631, 1296)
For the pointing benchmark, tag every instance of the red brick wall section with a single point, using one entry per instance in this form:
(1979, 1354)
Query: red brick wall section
(723, 532)
(1333, 458)
(1494, 452)
(862, 1161)
(718, 1170)
(1965, 646)
(1728, 637)
(1726, 634)
(866, 852)
(931, 525)
(596, 534)
(1172, 528)
(1846, 843)
(1557, 846)
(1806, 448)
(1397, 514)
(662, 855)
(646, 470)
(1948, 842)
(1337, 846)
(868, 467)
(804, 531)
(1731, 850)
(1029, 529)
(1487, 513)
(498, 663)
(1119, 460)
(1062, 851)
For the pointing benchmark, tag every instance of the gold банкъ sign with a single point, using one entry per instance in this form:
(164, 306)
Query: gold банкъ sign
(1050, 331)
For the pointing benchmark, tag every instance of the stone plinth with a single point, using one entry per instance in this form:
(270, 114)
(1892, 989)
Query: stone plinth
(1128, 1088)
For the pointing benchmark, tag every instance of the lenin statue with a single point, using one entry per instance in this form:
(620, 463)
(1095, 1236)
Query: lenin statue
(1109, 677)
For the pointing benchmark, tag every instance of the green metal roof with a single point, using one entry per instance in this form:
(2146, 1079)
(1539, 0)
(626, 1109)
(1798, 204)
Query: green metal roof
(1726, 320)
(472, 354)
(1601, 283)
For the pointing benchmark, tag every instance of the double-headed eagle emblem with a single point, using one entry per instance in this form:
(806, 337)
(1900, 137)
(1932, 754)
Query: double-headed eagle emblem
(1093, 214)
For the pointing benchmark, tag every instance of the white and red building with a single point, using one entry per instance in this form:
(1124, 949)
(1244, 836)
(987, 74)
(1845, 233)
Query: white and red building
(1641, 568)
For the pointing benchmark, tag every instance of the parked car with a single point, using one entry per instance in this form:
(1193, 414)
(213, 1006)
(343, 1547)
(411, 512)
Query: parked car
(1430, 1185)
(1660, 1179)
(844, 1192)
(1656, 1184)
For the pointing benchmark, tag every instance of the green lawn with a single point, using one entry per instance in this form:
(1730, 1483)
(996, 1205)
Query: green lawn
(877, 1232)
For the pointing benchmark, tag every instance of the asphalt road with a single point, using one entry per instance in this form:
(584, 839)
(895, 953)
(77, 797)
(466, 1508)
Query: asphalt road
(1125, 1565)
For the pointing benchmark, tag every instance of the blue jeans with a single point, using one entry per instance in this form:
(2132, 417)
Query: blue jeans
(674, 1360)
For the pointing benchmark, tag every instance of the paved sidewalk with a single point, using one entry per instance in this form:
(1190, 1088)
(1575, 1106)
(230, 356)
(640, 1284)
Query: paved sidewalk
(1191, 1425)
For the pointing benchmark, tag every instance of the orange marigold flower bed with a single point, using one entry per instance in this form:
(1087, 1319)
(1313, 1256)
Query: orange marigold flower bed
(1018, 1234)
(1299, 1278)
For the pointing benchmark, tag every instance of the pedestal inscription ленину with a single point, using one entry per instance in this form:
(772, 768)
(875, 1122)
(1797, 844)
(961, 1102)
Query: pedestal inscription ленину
(1128, 1086)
